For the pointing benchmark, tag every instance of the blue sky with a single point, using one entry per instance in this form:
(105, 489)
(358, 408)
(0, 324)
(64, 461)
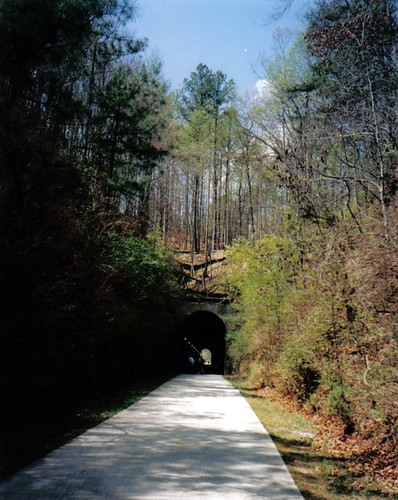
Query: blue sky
(227, 35)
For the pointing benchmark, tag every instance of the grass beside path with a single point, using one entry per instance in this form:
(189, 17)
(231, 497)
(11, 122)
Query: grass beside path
(318, 474)
(30, 432)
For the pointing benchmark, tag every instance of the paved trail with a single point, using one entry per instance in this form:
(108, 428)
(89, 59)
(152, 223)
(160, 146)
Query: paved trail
(193, 437)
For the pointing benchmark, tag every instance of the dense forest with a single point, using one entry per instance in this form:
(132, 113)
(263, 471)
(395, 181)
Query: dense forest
(82, 117)
(105, 172)
(316, 292)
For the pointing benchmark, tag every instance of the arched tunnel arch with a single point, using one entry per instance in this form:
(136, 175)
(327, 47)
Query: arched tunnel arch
(203, 330)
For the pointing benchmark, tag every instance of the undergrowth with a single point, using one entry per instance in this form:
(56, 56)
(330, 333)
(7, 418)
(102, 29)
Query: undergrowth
(324, 462)
(316, 317)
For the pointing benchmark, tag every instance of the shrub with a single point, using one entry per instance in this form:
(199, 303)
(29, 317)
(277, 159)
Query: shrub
(337, 404)
(297, 372)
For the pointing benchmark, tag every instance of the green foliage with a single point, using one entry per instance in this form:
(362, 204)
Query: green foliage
(314, 319)
(286, 74)
(129, 120)
(85, 304)
(206, 89)
(146, 269)
(337, 404)
(296, 366)
(195, 141)
(260, 272)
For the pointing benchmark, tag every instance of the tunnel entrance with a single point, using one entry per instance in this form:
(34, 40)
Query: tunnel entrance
(203, 330)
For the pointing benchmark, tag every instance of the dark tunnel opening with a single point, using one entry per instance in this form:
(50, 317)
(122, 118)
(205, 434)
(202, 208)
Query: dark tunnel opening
(203, 330)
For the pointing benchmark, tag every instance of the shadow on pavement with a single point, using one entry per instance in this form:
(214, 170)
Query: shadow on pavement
(194, 437)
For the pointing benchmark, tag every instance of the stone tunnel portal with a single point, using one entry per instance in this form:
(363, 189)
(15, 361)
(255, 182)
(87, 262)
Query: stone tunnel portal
(203, 330)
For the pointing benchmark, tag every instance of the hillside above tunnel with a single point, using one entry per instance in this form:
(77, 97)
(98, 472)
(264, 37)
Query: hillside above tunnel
(203, 275)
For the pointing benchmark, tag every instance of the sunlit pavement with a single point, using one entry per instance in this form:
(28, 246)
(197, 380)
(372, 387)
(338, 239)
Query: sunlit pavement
(193, 437)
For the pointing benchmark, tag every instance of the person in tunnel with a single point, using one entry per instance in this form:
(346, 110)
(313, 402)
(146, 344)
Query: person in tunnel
(200, 365)
(191, 365)
(204, 331)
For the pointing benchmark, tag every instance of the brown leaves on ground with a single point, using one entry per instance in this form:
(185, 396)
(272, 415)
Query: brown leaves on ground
(371, 457)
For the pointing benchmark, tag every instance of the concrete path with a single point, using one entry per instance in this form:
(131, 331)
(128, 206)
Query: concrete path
(193, 437)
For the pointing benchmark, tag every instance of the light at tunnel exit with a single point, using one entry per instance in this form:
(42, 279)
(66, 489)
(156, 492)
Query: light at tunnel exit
(204, 330)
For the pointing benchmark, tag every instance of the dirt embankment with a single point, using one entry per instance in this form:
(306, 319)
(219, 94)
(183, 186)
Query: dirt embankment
(201, 273)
